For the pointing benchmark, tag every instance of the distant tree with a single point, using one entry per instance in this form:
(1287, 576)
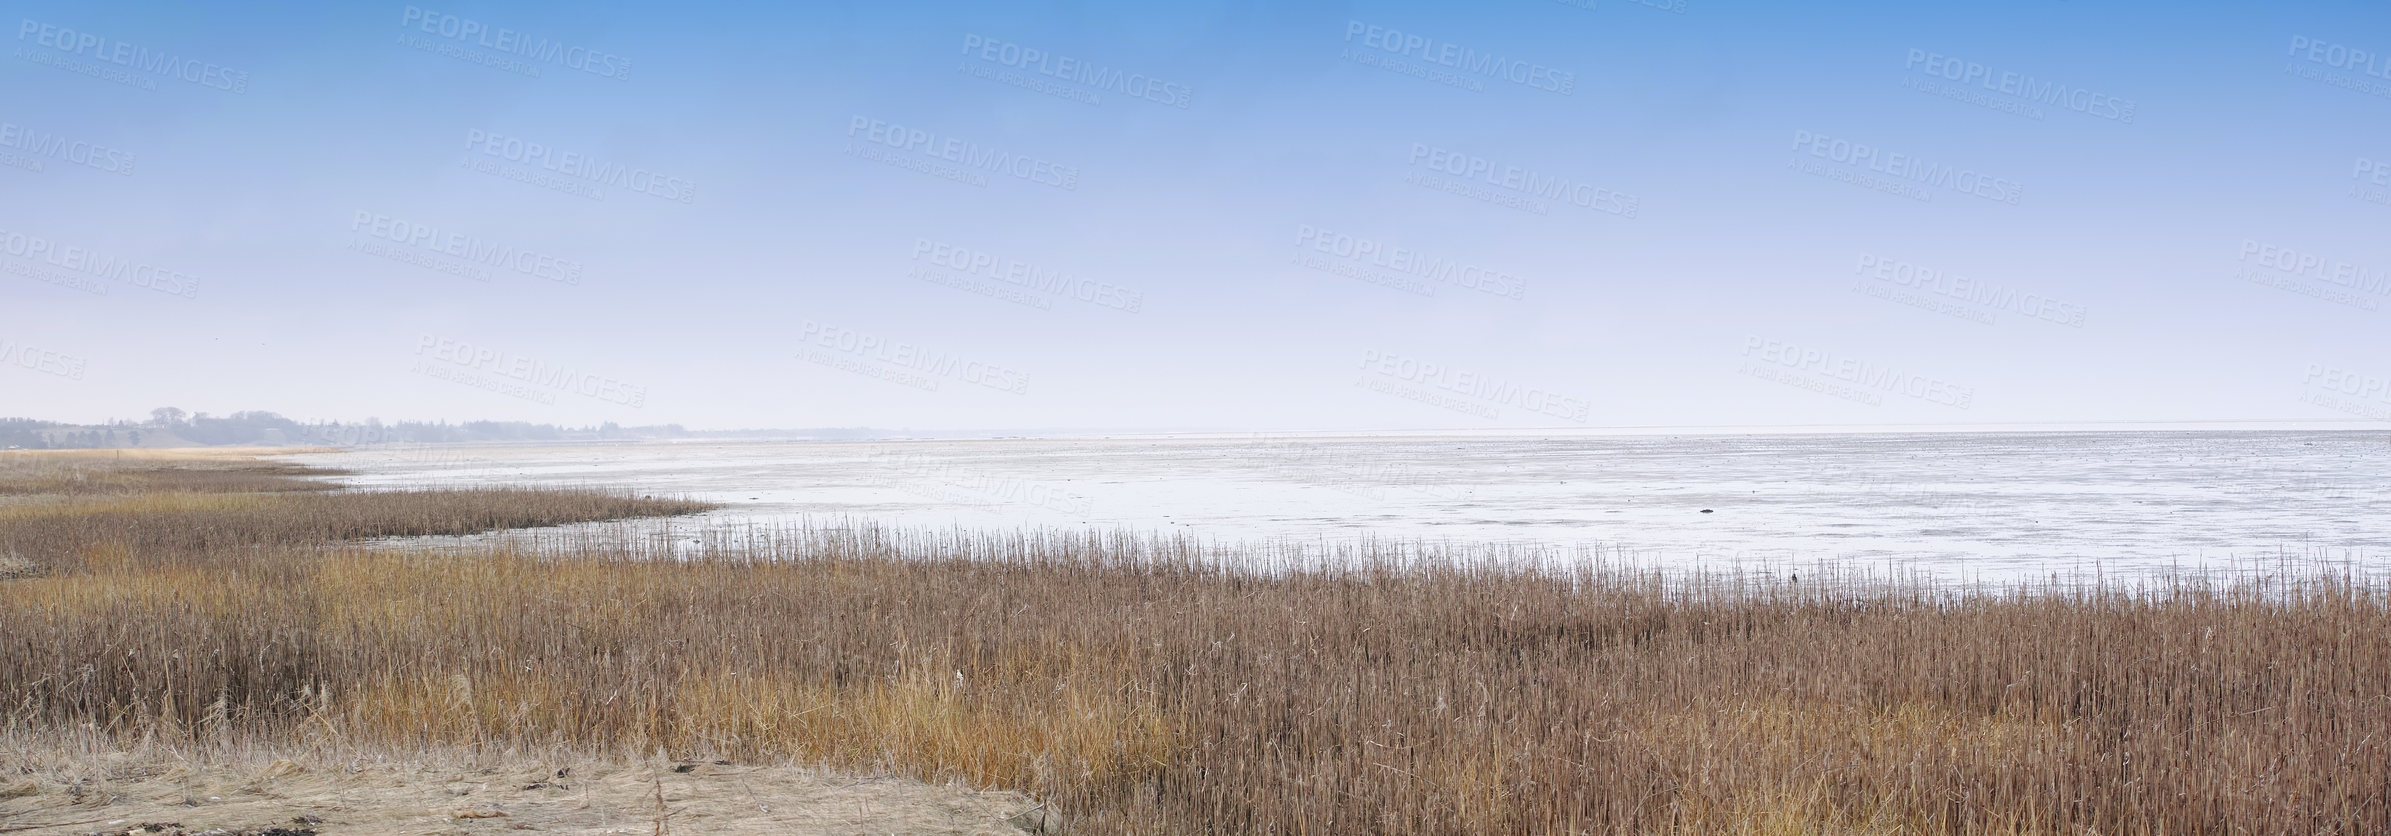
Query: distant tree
(259, 427)
(23, 432)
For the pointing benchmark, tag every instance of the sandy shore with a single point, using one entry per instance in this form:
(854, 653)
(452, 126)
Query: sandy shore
(80, 793)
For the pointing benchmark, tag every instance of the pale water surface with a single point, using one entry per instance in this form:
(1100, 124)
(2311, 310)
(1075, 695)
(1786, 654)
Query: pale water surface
(1973, 504)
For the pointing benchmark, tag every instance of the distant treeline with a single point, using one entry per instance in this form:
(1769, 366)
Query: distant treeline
(171, 427)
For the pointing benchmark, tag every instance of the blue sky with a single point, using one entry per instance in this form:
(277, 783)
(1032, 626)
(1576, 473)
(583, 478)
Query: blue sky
(1243, 216)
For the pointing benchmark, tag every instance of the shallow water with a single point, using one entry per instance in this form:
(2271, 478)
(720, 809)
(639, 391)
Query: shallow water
(1975, 504)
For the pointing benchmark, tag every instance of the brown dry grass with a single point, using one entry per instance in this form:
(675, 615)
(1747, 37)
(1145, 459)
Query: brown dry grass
(118, 472)
(1144, 685)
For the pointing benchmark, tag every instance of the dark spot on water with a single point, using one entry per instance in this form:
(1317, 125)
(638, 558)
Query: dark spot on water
(1705, 510)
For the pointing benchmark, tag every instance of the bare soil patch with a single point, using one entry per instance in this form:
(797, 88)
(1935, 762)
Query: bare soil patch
(120, 792)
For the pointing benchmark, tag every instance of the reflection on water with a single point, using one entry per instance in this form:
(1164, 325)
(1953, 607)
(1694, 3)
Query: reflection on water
(1987, 504)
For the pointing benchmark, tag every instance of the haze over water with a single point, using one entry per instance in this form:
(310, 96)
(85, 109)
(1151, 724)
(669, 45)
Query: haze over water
(1988, 505)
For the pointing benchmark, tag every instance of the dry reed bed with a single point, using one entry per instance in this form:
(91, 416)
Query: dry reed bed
(88, 472)
(185, 528)
(1146, 685)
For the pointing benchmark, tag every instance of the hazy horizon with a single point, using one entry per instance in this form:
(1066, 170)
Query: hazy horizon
(184, 418)
(886, 433)
(1218, 217)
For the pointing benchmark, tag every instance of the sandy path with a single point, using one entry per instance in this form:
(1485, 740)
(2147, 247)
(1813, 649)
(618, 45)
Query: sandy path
(115, 794)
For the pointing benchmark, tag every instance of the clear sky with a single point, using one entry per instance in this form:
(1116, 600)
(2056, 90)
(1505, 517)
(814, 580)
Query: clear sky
(1199, 215)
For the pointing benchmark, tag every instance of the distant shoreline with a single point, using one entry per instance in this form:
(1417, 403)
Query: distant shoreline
(867, 435)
